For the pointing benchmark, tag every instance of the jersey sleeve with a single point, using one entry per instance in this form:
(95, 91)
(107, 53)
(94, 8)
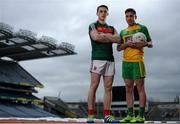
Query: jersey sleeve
(121, 36)
(146, 32)
(91, 26)
(113, 29)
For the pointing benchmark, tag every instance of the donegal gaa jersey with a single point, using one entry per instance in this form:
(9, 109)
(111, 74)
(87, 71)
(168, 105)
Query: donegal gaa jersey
(133, 54)
(101, 51)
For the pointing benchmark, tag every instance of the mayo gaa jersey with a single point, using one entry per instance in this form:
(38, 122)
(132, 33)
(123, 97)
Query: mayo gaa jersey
(101, 51)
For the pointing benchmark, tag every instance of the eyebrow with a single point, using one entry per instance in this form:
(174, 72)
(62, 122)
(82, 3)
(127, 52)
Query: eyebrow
(102, 10)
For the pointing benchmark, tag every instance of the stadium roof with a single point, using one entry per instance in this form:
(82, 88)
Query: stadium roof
(13, 73)
(24, 45)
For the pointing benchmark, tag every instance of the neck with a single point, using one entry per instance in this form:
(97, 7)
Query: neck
(101, 21)
(131, 24)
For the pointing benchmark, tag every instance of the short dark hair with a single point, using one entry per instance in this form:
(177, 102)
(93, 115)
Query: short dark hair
(102, 6)
(130, 10)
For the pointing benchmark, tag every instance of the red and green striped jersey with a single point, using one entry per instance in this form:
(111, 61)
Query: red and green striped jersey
(101, 51)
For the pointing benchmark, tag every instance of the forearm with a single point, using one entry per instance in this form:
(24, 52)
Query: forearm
(121, 47)
(113, 38)
(99, 37)
(143, 44)
(130, 44)
(140, 45)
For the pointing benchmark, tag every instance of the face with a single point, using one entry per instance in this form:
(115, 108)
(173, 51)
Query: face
(130, 18)
(102, 13)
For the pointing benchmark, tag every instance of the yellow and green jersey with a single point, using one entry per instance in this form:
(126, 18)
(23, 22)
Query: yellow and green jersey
(133, 54)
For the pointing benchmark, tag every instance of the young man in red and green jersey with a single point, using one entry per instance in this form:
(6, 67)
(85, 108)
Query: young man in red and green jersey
(102, 37)
(133, 68)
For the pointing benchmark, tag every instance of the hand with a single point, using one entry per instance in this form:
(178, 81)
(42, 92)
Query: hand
(104, 37)
(107, 35)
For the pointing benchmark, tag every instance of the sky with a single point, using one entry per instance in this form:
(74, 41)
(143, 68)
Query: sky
(68, 77)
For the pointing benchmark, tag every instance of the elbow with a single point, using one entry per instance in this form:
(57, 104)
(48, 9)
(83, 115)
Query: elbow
(119, 48)
(150, 46)
(117, 40)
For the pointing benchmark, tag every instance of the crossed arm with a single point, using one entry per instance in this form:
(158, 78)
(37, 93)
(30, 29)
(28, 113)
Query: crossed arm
(104, 37)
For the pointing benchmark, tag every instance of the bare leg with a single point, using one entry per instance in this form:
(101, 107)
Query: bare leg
(95, 79)
(141, 92)
(129, 92)
(108, 81)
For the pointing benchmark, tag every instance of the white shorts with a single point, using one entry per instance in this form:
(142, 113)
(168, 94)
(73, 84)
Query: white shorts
(103, 67)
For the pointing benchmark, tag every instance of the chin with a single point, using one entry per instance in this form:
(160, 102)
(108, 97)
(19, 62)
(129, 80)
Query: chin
(130, 24)
(102, 19)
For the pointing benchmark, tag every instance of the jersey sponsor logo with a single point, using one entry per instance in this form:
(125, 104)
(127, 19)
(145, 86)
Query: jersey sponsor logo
(104, 30)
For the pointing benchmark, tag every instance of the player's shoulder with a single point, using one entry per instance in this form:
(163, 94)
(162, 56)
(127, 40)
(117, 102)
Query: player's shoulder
(123, 30)
(92, 24)
(109, 25)
(142, 26)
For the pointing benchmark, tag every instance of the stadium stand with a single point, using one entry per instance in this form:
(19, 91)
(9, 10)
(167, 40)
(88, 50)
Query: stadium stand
(164, 111)
(70, 109)
(16, 84)
(58, 107)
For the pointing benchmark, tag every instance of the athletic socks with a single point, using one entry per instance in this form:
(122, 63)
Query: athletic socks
(130, 111)
(141, 111)
(106, 112)
(90, 111)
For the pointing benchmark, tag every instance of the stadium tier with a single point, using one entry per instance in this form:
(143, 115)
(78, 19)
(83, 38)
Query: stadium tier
(16, 84)
(70, 109)
(57, 106)
(22, 110)
(12, 73)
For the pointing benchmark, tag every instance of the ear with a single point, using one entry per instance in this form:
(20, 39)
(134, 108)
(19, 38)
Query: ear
(135, 17)
(107, 13)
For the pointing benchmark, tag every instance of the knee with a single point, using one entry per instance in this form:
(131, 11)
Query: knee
(129, 89)
(94, 86)
(108, 88)
(140, 89)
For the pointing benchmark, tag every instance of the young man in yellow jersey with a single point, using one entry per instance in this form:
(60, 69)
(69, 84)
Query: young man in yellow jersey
(133, 69)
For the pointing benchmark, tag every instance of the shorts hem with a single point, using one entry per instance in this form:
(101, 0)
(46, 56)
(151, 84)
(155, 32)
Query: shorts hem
(134, 78)
(102, 74)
